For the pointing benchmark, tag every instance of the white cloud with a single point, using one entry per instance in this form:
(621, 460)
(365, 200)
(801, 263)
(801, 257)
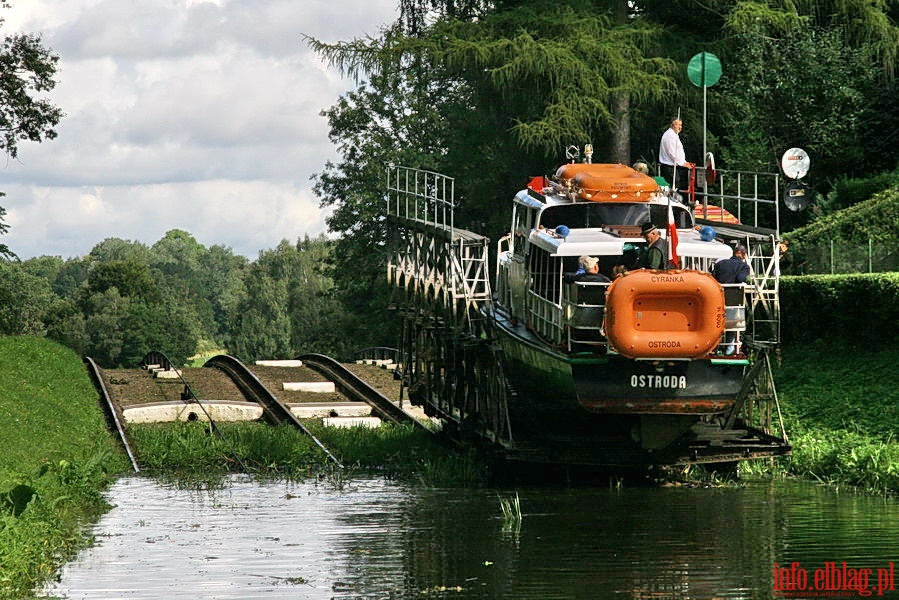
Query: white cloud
(187, 114)
(247, 216)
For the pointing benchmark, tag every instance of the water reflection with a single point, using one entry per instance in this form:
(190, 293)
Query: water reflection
(378, 539)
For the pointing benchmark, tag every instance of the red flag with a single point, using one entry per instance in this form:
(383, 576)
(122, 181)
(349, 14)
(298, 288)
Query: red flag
(672, 238)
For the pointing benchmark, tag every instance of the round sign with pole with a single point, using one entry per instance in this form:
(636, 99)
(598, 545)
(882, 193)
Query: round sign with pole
(704, 69)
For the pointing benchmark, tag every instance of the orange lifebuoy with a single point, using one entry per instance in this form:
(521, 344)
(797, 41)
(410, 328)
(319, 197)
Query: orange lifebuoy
(599, 182)
(664, 314)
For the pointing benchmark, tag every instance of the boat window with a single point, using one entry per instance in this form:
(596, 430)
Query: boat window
(546, 274)
(682, 216)
(595, 214)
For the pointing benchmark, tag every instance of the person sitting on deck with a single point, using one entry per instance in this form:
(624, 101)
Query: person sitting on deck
(591, 270)
(588, 271)
(732, 270)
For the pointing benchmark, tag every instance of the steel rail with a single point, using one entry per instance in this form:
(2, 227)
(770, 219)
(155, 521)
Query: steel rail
(275, 411)
(113, 413)
(156, 357)
(357, 389)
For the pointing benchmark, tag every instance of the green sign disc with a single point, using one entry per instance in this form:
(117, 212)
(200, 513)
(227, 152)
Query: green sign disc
(704, 69)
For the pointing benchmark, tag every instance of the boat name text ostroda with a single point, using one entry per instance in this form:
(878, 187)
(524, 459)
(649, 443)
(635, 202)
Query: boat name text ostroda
(659, 381)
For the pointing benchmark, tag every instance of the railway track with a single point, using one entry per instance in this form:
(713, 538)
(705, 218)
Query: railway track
(355, 388)
(251, 388)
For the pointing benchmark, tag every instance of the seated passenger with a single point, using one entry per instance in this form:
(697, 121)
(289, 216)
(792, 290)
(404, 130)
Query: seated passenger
(591, 270)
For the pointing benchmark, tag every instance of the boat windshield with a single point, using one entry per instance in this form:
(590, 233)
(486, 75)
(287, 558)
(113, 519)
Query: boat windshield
(594, 214)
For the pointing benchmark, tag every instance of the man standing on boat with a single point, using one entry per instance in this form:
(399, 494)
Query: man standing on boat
(657, 252)
(672, 157)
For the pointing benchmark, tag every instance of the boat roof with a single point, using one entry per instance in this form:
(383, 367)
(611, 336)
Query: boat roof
(598, 242)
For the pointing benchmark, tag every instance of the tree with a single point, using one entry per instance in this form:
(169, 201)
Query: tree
(290, 306)
(25, 301)
(27, 70)
(554, 70)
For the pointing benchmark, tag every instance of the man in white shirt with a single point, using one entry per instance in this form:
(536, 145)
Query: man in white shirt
(671, 155)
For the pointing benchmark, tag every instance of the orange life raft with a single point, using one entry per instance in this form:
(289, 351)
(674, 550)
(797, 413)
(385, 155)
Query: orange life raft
(664, 314)
(599, 182)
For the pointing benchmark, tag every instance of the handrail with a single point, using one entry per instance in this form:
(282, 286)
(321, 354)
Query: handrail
(112, 411)
(377, 353)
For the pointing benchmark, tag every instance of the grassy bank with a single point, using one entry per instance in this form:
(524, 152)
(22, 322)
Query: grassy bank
(841, 409)
(57, 458)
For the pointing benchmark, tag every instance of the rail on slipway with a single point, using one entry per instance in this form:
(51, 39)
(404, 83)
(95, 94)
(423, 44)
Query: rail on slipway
(114, 416)
(358, 390)
(274, 411)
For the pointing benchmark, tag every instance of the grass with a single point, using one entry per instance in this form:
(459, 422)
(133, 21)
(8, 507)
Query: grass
(57, 458)
(394, 451)
(511, 509)
(841, 410)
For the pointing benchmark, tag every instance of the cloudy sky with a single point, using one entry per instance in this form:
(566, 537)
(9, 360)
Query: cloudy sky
(200, 115)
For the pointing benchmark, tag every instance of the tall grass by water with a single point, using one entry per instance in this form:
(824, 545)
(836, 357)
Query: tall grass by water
(57, 458)
(841, 410)
(394, 451)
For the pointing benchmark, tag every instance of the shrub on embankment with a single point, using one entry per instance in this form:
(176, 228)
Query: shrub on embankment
(848, 311)
(57, 456)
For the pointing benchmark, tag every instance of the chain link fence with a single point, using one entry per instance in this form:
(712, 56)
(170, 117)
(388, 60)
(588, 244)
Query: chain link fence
(841, 257)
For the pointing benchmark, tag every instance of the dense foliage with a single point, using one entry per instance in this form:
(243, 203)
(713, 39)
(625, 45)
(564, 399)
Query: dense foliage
(125, 299)
(852, 310)
(865, 224)
(491, 93)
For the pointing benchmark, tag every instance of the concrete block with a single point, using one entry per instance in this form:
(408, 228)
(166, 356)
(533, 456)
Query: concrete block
(319, 387)
(351, 422)
(179, 411)
(163, 374)
(317, 410)
(151, 367)
(279, 363)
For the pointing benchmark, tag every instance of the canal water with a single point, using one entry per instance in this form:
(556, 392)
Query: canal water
(373, 538)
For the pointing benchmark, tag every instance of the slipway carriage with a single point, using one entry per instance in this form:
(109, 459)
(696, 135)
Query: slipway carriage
(652, 367)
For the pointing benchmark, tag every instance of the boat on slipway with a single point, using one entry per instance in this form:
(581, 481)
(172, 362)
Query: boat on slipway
(652, 367)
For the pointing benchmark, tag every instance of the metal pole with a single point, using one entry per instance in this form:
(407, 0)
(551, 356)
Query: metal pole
(870, 257)
(831, 256)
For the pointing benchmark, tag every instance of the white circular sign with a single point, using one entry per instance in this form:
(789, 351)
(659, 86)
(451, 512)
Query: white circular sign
(795, 163)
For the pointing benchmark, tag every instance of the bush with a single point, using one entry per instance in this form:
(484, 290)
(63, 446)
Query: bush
(848, 310)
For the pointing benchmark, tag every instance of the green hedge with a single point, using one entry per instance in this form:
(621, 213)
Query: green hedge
(850, 310)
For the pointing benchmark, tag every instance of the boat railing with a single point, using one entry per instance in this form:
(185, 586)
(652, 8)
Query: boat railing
(583, 305)
(753, 199)
(544, 317)
(502, 291)
(419, 195)
(734, 317)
